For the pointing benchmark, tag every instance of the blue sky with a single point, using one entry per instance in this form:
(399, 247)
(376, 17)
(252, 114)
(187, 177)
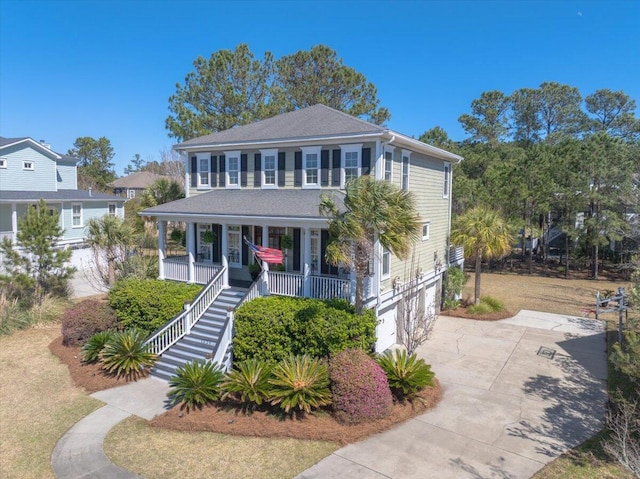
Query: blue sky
(107, 68)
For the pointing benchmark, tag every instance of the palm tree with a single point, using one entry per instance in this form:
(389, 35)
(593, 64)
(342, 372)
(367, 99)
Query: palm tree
(371, 207)
(483, 233)
(110, 238)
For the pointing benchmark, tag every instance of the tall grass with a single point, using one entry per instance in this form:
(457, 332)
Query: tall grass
(13, 316)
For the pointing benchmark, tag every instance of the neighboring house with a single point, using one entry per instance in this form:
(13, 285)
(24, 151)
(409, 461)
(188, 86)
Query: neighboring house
(134, 184)
(30, 171)
(264, 181)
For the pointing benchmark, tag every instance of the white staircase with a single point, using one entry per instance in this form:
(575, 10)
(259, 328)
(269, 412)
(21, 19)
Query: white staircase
(201, 343)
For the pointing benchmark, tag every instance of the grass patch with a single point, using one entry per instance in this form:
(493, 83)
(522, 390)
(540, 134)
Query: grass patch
(487, 305)
(160, 453)
(38, 403)
(14, 317)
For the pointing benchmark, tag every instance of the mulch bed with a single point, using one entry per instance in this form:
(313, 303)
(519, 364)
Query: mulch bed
(321, 426)
(227, 419)
(462, 313)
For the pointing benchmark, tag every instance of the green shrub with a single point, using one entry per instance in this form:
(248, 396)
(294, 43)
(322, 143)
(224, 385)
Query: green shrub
(94, 346)
(276, 327)
(487, 305)
(300, 383)
(196, 384)
(454, 281)
(359, 386)
(148, 304)
(84, 319)
(126, 355)
(248, 382)
(407, 375)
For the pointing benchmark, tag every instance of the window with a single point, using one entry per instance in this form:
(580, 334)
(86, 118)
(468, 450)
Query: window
(315, 251)
(235, 247)
(311, 166)
(388, 164)
(76, 215)
(233, 169)
(28, 165)
(3, 162)
(131, 193)
(426, 230)
(269, 167)
(350, 162)
(447, 180)
(205, 246)
(386, 263)
(203, 171)
(406, 155)
(112, 209)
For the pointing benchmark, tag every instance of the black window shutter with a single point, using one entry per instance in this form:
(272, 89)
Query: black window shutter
(296, 249)
(335, 168)
(297, 174)
(214, 170)
(196, 242)
(222, 170)
(325, 268)
(324, 168)
(282, 166)
(243, 170)
(257, 169)
(245, 249)
(216, 230)
(366, 161)
(194, 172)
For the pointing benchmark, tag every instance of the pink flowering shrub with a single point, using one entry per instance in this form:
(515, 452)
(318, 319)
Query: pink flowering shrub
(84, 319)
(359, 386)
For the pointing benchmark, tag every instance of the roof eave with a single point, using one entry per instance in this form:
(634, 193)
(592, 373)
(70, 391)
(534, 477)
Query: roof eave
(34, 143)
(422, 147)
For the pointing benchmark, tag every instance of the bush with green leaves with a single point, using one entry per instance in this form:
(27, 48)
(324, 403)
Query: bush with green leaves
(275, 327)
(407, 375)
(126, 355)
(248, 382)
(94, 346)
(148, 304)
(300, 384)
(487, 305)
(86, 318)
(359, 387)
(454, 281)
(196, 384)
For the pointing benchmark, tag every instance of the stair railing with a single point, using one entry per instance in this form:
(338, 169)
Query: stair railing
(256, 290)
(181, 325)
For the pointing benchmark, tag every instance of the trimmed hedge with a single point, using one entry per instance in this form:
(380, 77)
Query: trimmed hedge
(84, 319)
(147, 304)
(275, 327)
(360, 388)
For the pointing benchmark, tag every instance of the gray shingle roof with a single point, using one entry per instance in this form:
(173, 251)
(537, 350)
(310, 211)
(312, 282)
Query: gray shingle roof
(250, 202)
(140, 179)
(60, 195)
(314, 121)
(7, 141)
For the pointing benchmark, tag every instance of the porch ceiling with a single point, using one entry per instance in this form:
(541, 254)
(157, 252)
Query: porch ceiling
(280, 203)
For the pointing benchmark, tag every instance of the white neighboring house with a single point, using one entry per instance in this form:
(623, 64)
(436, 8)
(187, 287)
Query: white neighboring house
(31, 171)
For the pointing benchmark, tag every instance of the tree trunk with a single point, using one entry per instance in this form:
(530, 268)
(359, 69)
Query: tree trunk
(477, 279)
(594, 262)
(111, 265)
(566, 256)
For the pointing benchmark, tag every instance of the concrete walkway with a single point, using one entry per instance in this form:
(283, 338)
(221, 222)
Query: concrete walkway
(517, 393)
(79, 454)
(81, 285)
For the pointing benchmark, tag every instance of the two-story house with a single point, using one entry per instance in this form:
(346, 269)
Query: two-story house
(30, 171)
(264, 181)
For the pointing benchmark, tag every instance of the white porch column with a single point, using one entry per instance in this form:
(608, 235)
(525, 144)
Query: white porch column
(307, 262)
(14, 223)
(162, 248)
(265, 236)
(224, 251)
(191, 252)
(352, 279)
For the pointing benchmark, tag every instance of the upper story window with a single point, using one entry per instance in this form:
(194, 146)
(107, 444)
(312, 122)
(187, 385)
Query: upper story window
(233, 169)
(311, 167)
(269, 167)
(388, 163)
(112, 209)
(28, 165)
(447, 180)
(203, 171)
(386, 263)
(351, 162)
(76, 215)
(426, 230)
(406, 160)
(131, 193)
(3, 162)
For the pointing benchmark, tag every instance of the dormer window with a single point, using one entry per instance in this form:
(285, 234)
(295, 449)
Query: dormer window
(28, 165)
(311, 167)
(233, 168)
(351, 162)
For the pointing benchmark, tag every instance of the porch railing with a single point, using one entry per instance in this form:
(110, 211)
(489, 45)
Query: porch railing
(177, 269)
(6, 234)
(286, 284)
(181, 325)
(320, 287)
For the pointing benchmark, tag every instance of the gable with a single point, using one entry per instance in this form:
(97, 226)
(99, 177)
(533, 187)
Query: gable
(27, 167)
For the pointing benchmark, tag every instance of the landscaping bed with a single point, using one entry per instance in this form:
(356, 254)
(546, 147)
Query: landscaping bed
(463, 313)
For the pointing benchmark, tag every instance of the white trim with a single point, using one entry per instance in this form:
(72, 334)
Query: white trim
(81, 225)
(3, 163)
(391, 150)
(235, 230)
(385, 252)
(37, 144)
(131, 193)
(28, 168)
(200, 157)
(405, 154)
(426, 224)
(311, 150)
(263, 154)
(115, 209)
(350, 148)
(446, 185)
(228, 155)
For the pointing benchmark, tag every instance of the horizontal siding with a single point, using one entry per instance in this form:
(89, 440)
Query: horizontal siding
(67, 177)
(94, 209)
(15, 178)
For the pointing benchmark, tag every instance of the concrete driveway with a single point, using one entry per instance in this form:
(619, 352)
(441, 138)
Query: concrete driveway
(517, 393)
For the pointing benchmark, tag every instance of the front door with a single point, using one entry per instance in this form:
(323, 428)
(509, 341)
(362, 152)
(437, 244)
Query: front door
(235, 247)
(205, 243)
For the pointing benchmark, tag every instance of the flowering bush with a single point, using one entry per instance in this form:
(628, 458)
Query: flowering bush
(359, 386)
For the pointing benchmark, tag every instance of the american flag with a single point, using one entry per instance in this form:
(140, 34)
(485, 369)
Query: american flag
(270, 255)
